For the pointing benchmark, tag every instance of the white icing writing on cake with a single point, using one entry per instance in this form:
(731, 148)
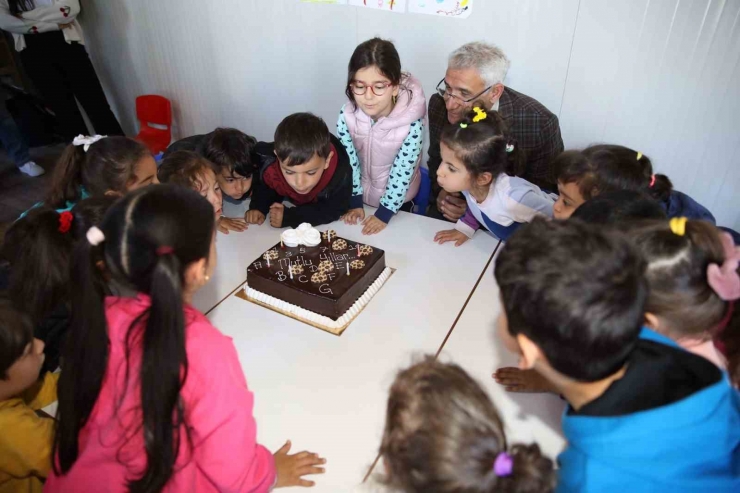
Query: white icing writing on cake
(304, 234)
(325, 289)
(302, 278)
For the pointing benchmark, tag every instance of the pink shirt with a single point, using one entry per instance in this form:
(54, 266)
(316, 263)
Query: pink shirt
(225, 456)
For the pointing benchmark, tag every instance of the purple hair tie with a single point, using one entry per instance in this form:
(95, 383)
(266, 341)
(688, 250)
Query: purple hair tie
(503, 465)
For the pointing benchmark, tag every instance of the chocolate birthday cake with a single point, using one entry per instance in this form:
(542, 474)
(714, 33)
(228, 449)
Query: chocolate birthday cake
(319, 277)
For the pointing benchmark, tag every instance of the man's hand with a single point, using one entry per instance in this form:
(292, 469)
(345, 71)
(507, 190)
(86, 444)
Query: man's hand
(276, 215)
(451, 205)
(226, 224)
(254, 217)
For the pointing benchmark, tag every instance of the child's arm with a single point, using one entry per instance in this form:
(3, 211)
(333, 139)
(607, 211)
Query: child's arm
(58, 13)
(25, 442)
(526, 201)
(322, 212)
(467, 224)
(346, 139)
(263, 197)
(401, 173)
(16, 25)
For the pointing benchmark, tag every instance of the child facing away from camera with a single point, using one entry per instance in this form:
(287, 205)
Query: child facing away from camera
(26, 438)
(382, 128)
(644, 414)
(99, 165)
(151, 396)
(480, 160)
(443, 434)
(311, 169)
(189, 169)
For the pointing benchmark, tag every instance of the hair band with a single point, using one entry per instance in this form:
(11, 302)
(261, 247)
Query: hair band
(503, 465)
(479, 115)
(463, 125)
(639, 156)
(652, 181)
(86, 142)
(94, 236)
(65, 221)
(678, 225)
(164, 250)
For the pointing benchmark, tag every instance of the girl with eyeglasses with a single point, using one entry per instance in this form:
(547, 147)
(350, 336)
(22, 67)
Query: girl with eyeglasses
(381, 127)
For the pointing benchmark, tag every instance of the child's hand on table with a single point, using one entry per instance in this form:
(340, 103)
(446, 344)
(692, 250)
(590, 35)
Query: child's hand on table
(292, 468)
(226, 224)
(276, 215)
(372, 225)
(353, 216)
(451, 235)
(254, 217)
(516, 380)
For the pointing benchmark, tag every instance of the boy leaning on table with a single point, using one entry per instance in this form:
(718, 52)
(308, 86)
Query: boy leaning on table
(644, 415)
(25, 438)
(308, 166)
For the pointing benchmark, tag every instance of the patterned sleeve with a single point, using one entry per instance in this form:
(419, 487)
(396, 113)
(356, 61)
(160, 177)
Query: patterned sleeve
(402, 171)
(346, 139)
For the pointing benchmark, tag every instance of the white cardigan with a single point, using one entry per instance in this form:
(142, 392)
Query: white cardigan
(42, 19)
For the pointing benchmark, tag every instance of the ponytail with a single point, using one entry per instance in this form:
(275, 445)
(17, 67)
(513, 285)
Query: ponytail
(164, 363)
(515, 164)
(660, 189)
(84, 356)
(530, 472)
(66, 182)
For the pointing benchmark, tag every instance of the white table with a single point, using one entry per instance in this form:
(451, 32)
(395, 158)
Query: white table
(475, 346)
(328, 393)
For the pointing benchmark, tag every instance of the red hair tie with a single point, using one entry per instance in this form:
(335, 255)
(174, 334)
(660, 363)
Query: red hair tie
(65, 221)
(652, 181)
(165, 250)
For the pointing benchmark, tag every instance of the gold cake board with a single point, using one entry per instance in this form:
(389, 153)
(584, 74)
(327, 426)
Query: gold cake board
(337, 331)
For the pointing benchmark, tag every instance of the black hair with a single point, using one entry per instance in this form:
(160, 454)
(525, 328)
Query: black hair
(484, 146)
(577, 291)
(301, 136)
(88, 213)
(443, 434)
(604, 168)
(613, 208)
(108, 165)
(16, 332)
(134, 228)
(231, 149)
(19, 6)
(185, 168)
(378, 52)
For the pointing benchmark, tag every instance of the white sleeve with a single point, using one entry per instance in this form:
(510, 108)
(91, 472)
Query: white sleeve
(62, 12)
(15, 25)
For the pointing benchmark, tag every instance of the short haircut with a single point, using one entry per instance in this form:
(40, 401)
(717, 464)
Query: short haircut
(301, 136)
(489, 60)
(621, 206)
(16, 332)
(185, 168)
(231, 149)
(577, 291)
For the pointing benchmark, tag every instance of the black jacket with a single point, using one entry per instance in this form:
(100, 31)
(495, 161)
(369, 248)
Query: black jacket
(331, 203)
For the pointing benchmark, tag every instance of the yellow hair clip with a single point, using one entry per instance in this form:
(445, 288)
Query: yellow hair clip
(639, 156)
(479, 115)
(463, 125)
(678, 225)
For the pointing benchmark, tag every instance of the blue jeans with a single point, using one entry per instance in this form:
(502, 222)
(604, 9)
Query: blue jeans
(11, 138)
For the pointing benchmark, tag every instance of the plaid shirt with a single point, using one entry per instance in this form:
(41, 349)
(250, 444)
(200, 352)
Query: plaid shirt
(536, 130)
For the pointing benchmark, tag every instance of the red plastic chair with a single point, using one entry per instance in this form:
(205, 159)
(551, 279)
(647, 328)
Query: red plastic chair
(157, 110)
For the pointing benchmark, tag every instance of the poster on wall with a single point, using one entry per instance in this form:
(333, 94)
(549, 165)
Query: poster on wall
(444, 8)
(339, 2)
(398, 6)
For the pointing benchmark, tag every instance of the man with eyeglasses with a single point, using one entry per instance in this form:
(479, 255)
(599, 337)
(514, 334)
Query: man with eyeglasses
(475, 74)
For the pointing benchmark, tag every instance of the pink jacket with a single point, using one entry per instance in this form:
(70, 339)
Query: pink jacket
(378, 144)
(218, 409)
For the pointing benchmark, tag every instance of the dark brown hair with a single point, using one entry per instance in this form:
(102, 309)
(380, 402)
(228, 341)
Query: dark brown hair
(185, 168)
(108, 165)
(231, 149)
(482, 146)
(16, 332)
(443, 434)
(679, 293)
(378, 52)
(606, 168)
(299, 137)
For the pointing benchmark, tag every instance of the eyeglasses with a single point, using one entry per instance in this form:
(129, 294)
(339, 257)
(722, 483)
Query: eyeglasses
(377, 89)
(442, 91)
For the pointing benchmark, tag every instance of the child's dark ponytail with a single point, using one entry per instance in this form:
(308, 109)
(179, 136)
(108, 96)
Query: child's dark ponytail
(529, 471)
(147, 239)
(482, 142)
(66, 182)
